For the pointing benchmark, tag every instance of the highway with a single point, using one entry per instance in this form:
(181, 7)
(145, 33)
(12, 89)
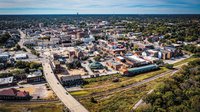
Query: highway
(70, 102)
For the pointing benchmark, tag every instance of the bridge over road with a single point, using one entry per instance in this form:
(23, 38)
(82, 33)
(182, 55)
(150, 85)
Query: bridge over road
(70, 102)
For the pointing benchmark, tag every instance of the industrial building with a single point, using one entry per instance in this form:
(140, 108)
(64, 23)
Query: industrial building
(7, 81)
(138, 70)
(21, 56)
(35, 77)
(115, 65)
(73, 80)
(135, 60)
(4, 56)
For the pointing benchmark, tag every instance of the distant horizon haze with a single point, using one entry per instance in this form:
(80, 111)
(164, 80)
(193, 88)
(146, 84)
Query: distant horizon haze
(18, 7)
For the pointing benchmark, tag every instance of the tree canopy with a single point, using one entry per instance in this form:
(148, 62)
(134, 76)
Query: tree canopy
(181, 93)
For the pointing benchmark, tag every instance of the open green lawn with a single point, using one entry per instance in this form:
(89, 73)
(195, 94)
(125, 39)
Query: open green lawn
(98, 81)
(105, 83)
(32, 107)
(185, 61)
(79, 93)
(121, 101)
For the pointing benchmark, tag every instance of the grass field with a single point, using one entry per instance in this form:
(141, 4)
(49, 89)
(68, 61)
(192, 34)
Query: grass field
(105, 83)
(31, 107)
(185, 61)
(122, 101)
(79, 93)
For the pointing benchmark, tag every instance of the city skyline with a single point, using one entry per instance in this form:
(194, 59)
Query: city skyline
(99, 7)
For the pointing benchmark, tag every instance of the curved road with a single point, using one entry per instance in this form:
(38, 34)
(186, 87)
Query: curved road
(70, 102)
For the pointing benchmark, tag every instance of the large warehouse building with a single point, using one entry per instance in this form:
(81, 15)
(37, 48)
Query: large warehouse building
(137, 70)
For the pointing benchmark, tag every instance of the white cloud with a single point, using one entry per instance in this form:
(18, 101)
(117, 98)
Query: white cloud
(100, 6)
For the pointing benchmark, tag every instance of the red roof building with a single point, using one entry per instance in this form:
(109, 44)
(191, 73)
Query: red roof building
(14, 94)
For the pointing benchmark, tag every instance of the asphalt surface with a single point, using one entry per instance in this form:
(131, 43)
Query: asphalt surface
(86, 66)
(23, 36)
(71, 103)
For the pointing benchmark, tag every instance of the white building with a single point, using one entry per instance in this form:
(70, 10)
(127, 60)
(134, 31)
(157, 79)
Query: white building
(88, 39)
(21, 56)
(6, 81)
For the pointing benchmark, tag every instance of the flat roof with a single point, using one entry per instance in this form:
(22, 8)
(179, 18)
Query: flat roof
(120, 57)
(35, 74)
(20, 55)
(7, 80)
(135, 58)
(143, 67)
(71, 77)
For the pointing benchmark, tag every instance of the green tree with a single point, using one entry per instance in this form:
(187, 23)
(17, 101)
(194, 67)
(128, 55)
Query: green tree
(17, 47)
(169, 66)
(93, 100)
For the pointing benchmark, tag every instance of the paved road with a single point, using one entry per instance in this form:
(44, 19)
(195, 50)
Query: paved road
(86, 66)
(22, 35)
(140, 102)
(71, 103)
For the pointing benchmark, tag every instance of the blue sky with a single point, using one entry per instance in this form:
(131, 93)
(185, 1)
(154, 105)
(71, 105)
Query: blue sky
(100, 6)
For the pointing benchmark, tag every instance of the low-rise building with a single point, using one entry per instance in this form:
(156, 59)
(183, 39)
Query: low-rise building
(7, 81)
(164, 55)
(57, 67)
(14, 94)
(174, 52)
(120, 59)
(72, 80)
(151, 59)
(138, 70)
(96, 65)
(35, 77)
(21, 56)
(4, 57)
(115, 65)
(135, 60)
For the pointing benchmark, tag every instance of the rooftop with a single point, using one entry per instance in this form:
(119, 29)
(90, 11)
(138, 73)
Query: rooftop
(13, 92)
(143, 67)
(35, 74)
(7, 80)
(20, 55)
